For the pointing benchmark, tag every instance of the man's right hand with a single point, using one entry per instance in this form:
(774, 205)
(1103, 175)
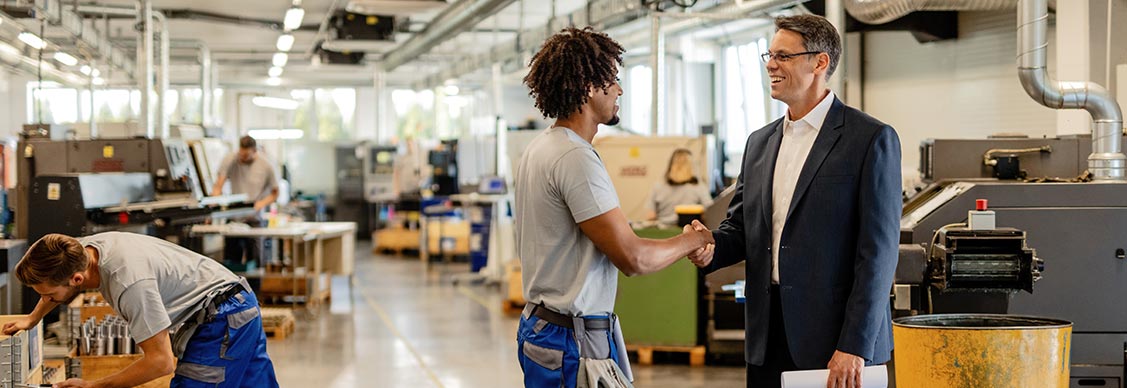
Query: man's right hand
(702, 256)
(14, 326)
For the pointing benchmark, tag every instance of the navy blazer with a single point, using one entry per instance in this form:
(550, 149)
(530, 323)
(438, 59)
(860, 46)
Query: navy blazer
(838, 251)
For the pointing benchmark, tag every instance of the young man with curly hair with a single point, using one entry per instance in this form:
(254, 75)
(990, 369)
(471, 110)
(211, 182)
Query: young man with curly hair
(572, 236)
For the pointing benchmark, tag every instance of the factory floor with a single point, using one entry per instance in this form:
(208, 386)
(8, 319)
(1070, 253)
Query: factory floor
(398, 326)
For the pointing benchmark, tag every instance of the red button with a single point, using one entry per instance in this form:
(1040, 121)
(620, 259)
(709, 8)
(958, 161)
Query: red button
(980, 204)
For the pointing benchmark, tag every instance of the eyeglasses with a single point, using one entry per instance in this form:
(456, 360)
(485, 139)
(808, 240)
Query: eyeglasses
(783, 57)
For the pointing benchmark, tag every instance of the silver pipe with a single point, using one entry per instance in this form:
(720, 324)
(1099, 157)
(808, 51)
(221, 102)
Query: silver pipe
(145, 60)
(206, 86)
(455, 18)
(1107, 161)
(835, 13)
(162, 87)
(657, 70)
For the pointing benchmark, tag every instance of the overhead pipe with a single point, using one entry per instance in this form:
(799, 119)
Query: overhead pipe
(454, 19)
(56, 13)
(1107, 161)
(884, 11)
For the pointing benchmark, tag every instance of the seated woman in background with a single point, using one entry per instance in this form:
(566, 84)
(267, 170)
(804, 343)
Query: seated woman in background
(680, 187)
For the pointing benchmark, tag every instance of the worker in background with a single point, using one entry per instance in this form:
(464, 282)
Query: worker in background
(156, 286)
(816, 216)
(572, 236)
(254, 176)
(679, 187)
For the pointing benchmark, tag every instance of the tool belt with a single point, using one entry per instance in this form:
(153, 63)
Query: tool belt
(539, 311)
(207, 311)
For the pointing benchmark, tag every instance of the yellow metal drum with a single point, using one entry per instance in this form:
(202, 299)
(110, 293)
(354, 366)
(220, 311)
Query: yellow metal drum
(981, 350)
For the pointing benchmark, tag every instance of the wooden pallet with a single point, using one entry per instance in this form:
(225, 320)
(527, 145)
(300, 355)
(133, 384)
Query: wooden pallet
(646, 353)
(512, 307)
(280, 331)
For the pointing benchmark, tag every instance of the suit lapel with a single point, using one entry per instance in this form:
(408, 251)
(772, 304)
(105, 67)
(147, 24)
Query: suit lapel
(827, 137)
(768, 178)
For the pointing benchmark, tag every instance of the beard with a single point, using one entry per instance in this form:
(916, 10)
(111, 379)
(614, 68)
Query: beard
(71, 295)
(613, 121)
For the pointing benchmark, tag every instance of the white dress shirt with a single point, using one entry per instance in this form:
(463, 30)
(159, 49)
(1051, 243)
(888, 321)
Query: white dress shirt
(798, 138)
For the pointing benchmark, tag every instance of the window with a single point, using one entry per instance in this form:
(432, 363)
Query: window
(335, 109)
(414, 113)
(639, 98)
(746, 98)
(50, 103)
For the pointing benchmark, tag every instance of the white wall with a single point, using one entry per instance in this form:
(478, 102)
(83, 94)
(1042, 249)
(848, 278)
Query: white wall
(965, 88)
(517, 107)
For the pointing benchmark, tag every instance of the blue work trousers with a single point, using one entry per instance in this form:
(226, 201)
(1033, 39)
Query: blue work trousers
(229, 350)
(549, 354)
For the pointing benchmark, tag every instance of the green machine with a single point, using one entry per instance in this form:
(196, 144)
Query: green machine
(660, 309)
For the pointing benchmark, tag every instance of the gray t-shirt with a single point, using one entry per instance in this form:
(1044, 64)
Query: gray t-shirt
(664, 198)
(560, 182)
(256, 179)
(152, 283)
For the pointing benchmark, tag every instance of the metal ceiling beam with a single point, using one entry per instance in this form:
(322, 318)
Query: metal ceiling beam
(457, 17)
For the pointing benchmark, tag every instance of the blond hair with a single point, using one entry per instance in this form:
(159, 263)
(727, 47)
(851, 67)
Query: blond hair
(52, 260)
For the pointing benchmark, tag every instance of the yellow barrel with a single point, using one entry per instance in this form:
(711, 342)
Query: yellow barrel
(981, 350)
(687, 213)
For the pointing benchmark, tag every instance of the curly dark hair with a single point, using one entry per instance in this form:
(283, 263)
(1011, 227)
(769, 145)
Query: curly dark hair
(567, 66)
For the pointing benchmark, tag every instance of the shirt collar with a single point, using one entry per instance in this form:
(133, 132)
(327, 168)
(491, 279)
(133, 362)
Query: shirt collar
(816, 116)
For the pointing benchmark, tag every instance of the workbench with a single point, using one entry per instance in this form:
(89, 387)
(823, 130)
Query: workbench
(317, 248)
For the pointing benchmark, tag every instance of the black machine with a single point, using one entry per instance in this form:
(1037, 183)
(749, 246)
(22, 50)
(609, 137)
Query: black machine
(444, 161)
(1079, 230)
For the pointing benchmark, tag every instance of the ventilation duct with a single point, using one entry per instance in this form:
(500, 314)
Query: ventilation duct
(1107, 162)
(884, 11)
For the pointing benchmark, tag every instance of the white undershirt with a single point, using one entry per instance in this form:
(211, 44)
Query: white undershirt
(798, 138)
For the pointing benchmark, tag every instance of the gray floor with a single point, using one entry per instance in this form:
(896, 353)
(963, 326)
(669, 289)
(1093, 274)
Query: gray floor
(400, 327)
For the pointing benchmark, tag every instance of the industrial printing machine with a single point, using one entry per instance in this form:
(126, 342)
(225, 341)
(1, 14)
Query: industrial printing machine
(82, 187)
(1039, 191)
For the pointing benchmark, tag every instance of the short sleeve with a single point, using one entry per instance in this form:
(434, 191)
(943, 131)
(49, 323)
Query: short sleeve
(227, 164)
(271, 179)
(141, 305)
(584, 184)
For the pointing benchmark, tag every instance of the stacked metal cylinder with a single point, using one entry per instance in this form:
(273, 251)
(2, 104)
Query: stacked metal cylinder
(111, 337)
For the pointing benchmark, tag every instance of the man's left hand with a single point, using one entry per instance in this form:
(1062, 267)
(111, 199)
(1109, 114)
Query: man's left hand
(74, 383)
(845, 370)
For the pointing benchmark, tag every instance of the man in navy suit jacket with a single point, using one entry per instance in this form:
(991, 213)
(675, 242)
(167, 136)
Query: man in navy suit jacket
(816, 215)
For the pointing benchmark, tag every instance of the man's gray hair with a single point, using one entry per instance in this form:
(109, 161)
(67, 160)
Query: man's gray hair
(817, 35)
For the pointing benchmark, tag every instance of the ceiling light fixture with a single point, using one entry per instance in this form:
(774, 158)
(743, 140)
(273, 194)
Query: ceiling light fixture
(293, 18)
(275, 102)
(272, 134)
(285, 42)
(280, 59)
(85, 70)
(275, 72)
(273, 81)
(32, 40)
(66, 59)
(98, 81)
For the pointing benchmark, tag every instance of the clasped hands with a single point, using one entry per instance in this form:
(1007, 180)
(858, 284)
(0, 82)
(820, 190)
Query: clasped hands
(701, 256)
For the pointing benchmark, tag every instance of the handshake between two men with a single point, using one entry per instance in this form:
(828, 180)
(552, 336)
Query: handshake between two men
(701, 256)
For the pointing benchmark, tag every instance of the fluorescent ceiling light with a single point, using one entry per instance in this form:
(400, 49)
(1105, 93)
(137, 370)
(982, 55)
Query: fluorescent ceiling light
(293, 18)
(271, 134)
(275, 102)
(451, 90)
(9, 50)
(32, 40)
(85, 70)
(98, 81)
(275, 72)
(285, 42)
(66, 59)
(273, 81)
(280, 59)
(95, 72)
